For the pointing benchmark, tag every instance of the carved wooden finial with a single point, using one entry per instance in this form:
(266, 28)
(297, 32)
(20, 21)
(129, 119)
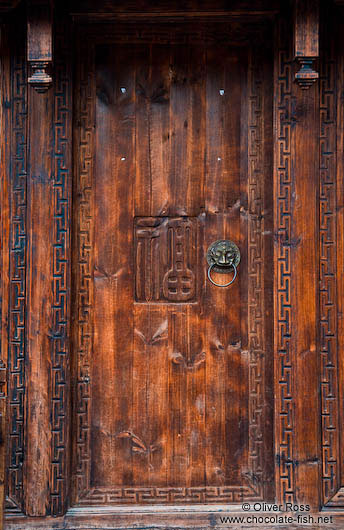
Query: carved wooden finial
(39, 44)
(306, 40)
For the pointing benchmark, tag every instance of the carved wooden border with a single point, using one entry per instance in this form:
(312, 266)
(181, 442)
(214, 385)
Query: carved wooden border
(331, 259)
(255, 266)
(284, 407)
(328, 276)
(82, 281)
(82, 311)
(61, 273)
(17, 294)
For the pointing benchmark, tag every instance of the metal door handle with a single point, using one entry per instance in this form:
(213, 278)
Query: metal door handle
(223, 256)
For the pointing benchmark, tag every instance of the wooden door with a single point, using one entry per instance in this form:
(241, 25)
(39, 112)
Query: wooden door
(173, 375)
(137, 389)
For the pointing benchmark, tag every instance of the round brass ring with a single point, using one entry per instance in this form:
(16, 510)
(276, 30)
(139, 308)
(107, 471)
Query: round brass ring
(225, 284)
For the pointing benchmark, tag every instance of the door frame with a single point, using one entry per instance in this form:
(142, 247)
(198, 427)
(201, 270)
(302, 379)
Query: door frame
(307, 443)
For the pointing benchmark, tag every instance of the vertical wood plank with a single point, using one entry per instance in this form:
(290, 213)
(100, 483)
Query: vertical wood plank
(227, 363)
(150, 394)
(283, 192)
(186, 369)
(265, 78)
(328, 275)
(62, 196)
(18, 265)
(114, 268)
(152, 88)
(5, 119)
(304, 253)
(82, 266)
(39, 303)
(338, 72)
(296, 262)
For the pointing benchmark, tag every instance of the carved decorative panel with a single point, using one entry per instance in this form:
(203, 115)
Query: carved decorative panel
(328, 286)
(82, 278)
(283, 305)
(256, 224)
(16, 353)
(61, 274)
(166, 259)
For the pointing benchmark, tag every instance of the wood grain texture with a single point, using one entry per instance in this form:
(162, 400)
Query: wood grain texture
(39, 300)
(171, 377)
(296, 177)
(61, 274)
(17, 290)
(306, 20)
(161, 395)
(39, 43)
(82, 271)
(283, 303)
(14, 323)
(331, 263)
(5, 117)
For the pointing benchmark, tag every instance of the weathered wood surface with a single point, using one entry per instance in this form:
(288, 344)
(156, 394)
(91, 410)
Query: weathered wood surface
(172, 378)
(5, 118)
(169, 382)
(306, 40)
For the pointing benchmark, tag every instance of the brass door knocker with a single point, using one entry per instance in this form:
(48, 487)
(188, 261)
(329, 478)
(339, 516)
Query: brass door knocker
(223, 256)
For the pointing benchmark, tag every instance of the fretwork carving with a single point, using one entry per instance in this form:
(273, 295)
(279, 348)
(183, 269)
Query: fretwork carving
(16, 352)
(328, 276)
(61, 274)
(283, 309)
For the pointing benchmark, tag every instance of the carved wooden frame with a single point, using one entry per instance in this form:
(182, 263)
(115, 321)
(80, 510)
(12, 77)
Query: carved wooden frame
(331, 195)
(82, 295)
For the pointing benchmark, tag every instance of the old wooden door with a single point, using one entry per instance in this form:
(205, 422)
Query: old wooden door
(172, 374)
(139, 392)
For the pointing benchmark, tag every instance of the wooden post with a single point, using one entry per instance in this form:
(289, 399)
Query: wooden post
(39, 288)
(296, 176)
(306, 40)
(39, 43)
(5, 119)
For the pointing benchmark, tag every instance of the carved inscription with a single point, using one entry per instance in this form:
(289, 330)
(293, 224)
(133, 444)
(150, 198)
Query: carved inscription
(166, 259)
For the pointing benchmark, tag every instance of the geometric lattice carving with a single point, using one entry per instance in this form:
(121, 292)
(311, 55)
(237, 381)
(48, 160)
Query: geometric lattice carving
(328, 277)
(82, 284)
(156, 495)
(17, 295)
(256, 334)
(283, 196)
(166, 259)
(61, 276)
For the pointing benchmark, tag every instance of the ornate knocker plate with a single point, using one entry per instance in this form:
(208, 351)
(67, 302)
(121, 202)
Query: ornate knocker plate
(223, 256)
